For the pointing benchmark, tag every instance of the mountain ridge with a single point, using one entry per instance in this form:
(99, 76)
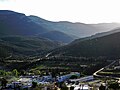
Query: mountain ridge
(79, 30)
(45, 33)
(105, 46)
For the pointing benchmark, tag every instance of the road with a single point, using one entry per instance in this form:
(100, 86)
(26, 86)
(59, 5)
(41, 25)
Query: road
(100, 76)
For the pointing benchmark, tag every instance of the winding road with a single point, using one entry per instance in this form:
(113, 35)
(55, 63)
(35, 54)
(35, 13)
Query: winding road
(101, 76)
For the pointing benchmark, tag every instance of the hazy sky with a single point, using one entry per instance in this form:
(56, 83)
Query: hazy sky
(85, 11)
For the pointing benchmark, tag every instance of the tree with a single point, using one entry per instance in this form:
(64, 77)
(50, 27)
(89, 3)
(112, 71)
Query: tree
(102, 87)
(34, 84)
(22, 72)
(114, 85)
(15, 72)
(3, 82)
(8, 73)
(37, 72)
(2, 72)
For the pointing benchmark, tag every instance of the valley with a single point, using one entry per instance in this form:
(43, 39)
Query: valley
(32, 47)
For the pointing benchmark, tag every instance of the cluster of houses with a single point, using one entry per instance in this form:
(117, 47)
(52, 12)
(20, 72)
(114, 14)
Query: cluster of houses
(71, 84)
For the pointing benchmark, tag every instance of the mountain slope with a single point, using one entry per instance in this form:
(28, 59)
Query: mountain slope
(73, 29)
(19, 45)
(29, 31)
(57, 36)
(78, 30)
(106, 46)
(97, 35)
(18, 35)
(13, 23)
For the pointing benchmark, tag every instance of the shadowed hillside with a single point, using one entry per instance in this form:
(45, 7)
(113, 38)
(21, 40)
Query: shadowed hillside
(106, 46)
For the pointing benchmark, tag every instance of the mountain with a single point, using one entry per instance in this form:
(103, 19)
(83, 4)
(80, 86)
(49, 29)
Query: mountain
(18, 35)
(73, 29)
(13, 23)
(31, 35)
(25, 46)
(106, 26)
(105, 46)
(57, 36)
(76, 30)
(97, 35)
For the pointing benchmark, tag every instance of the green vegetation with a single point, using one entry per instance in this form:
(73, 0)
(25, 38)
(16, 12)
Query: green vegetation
(10, 76)
(111, 70)
(35, 72)
(113, 85)
(3, 52)
(68, 64)
(9, 73)
(107, 46)
(22, 46)
(15, 72)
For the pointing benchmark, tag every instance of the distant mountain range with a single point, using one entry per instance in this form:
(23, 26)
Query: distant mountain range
(13, 23)
(18, 36)
(75, 30)
(30, 35)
